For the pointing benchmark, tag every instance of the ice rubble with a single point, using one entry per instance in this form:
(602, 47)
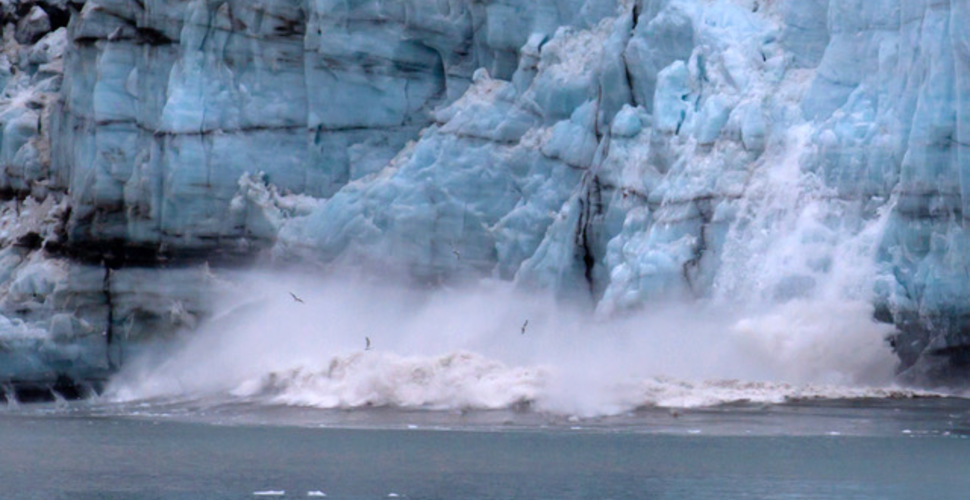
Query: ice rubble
(628, 151)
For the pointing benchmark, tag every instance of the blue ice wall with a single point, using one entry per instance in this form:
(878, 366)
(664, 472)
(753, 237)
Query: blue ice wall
(621, 151)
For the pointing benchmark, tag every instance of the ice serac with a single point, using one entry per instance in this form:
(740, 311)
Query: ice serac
(727, 150)
(610, 165)
(619, 151)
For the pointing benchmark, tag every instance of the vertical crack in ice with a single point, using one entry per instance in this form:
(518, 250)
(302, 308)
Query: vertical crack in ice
(691, 267)
(591, 206)
(109, 325)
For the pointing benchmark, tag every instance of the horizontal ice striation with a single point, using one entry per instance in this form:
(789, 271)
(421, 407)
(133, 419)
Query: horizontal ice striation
(171, 133)
(65, 322)
(627, 151)
(168, 103)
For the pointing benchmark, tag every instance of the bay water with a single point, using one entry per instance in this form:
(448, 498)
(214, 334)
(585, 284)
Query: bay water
(858, 449)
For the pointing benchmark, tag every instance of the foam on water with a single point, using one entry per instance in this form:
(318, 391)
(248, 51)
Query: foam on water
(452, 348)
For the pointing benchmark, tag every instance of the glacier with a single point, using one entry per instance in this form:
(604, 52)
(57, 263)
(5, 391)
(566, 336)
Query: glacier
(617, 153)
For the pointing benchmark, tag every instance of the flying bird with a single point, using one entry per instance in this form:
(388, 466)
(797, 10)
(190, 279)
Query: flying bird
(367, 346)
(296, 298)
(524, 325)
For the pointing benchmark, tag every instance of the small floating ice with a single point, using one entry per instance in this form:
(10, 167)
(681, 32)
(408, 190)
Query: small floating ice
(316, 493)
(907, 431)
(392, 495)
(270, 493)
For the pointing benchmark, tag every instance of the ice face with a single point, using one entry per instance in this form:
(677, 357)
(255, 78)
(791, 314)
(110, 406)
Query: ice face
(168, 105)
(731, 151)
(623, 151)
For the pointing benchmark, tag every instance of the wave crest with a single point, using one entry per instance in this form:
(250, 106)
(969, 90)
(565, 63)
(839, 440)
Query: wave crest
(460, 380)
(468, 349)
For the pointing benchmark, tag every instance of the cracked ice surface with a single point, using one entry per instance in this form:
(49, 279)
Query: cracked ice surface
(631, 151)
(727, 149)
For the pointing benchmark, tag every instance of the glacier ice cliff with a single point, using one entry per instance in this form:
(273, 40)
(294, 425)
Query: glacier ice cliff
(617, 151)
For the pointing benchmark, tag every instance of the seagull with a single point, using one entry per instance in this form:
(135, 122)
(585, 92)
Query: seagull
(367, 347)
(524, 325)
(296, 298)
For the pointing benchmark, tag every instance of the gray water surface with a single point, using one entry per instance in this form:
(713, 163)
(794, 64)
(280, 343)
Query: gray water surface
(846, 450)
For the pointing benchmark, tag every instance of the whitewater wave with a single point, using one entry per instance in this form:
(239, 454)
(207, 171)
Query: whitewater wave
(460, 380)
(352, 346)
(467, 381)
